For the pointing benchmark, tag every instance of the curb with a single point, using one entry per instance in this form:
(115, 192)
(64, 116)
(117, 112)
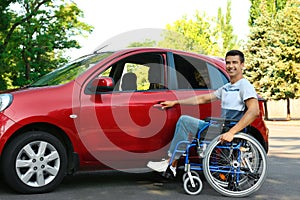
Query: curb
(283, 123)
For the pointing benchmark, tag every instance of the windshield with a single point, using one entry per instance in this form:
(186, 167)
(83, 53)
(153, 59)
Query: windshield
(70, 71)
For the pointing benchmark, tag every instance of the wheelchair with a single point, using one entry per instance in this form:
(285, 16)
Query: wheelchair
(234, 169)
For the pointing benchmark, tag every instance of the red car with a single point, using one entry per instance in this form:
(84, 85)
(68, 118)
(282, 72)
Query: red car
(102, 112)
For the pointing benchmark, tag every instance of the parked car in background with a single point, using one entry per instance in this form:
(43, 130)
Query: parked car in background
(102, 112)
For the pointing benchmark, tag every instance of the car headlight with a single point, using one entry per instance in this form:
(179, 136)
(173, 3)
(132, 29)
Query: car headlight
(5, 101)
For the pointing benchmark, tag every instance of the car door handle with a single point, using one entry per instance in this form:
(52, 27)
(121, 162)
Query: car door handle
(158, 106)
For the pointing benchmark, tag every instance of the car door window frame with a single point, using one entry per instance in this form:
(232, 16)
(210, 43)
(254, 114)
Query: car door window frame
(216, 77)
(117, 70)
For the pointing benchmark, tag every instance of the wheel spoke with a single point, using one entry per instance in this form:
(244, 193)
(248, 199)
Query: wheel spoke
(29, 151)
(23, 163)
(249, 165)
(40, 178)
(27, 176)
(52, 156)
(51, 170)
(42, 148)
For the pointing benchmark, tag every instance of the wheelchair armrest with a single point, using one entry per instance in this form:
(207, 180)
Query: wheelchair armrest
(221, 120)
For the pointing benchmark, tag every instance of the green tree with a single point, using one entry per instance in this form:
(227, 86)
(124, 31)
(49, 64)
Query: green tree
(146, 43)
(224, 31)
(188, 34)
(273, 54)
(34, 36)
(202, 34)
(270, 6)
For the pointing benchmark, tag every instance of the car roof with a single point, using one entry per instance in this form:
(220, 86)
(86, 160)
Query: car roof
(210, 58)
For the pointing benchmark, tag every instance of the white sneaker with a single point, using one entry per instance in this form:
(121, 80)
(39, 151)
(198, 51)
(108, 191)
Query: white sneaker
(158, 166)
(202, 151)
(173, 170)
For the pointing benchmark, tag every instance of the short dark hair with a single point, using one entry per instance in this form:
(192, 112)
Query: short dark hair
(236, 53)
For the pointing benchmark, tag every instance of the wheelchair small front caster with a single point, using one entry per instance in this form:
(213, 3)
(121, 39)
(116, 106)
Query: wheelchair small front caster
(193, 173)
(194, 186)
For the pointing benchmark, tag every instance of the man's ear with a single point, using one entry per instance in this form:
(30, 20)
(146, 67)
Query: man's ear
(243, 67)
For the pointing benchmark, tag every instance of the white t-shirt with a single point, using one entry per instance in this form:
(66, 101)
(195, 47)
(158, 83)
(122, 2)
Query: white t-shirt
(233, 97)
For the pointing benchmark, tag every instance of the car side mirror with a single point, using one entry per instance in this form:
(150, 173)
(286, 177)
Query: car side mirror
(102, 84)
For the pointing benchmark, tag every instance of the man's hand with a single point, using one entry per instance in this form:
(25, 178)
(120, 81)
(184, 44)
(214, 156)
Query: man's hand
(168, 104)
(226, 137)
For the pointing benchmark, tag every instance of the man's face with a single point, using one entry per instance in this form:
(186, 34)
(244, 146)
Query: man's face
(234, 67)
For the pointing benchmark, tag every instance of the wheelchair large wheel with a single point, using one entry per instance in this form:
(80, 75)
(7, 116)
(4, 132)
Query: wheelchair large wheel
(237, 168)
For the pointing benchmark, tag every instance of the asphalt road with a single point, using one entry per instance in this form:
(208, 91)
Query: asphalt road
(282, 182)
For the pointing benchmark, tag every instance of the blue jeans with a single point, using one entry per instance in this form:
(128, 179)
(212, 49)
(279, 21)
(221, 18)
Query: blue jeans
(186, 129)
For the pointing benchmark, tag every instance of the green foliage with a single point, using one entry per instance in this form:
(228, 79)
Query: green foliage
(258, 7)
(147, 43)
(273, 53)
(224, 32)
(35, 35)
(189, 35)
(142, 76)
(202, 34)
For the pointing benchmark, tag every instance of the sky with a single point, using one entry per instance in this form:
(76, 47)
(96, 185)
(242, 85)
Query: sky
(114, 17)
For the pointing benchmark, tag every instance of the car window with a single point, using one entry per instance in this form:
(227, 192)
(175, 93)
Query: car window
(217, 77)
(193, 73)
(139, 72)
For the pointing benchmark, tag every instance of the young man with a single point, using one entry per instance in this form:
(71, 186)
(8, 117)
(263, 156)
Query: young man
(235, 96)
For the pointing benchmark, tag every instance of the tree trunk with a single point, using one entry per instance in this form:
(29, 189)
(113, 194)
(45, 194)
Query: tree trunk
(27, 71)
(288, 117)
(266, 110)
(27, 65)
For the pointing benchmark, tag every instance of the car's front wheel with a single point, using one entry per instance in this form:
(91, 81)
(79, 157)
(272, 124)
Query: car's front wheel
(34, 162)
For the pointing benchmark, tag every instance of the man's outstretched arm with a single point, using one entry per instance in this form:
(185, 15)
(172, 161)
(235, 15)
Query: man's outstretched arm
(200, 99)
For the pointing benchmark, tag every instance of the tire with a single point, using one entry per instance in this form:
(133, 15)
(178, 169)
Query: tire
(185, 175)
(34, 162)
(189, 189)
(235, 169)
